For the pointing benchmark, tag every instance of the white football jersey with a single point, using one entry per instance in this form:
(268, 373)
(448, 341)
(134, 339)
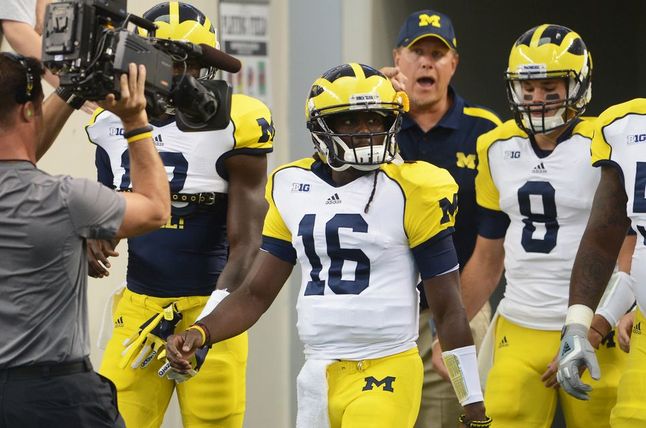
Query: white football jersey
(548, 201)
(620, 139)
(194, 161)
(358, 296)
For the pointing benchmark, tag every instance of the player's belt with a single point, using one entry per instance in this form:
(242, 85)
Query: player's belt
(204, 198)
(46, 370)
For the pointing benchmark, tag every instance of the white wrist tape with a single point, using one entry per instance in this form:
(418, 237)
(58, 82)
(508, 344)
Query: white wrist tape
(579, 314)
(216, 297)
(463, 370)
(618, 298)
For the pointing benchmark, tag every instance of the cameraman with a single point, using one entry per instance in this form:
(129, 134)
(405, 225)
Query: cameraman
(217, 182)
(45, 372)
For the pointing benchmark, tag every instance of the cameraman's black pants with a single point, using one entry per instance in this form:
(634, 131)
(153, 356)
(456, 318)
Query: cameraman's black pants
(69, 395)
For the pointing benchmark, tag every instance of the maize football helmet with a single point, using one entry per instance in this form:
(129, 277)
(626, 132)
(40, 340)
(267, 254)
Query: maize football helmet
(549, 52)
(350, 88)
(182, 22)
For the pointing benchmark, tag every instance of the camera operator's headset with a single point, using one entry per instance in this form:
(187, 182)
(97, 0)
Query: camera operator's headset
(28, 94)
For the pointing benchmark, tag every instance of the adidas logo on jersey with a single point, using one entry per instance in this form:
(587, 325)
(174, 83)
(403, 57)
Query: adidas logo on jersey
(539, 169)
(334, 199)
(637, 328)
(158, 140)
(503, 343)
(118, 322)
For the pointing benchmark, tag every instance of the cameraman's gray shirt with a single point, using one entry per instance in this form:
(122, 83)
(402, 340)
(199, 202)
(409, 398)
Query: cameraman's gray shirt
(44, 221)
(19, 10)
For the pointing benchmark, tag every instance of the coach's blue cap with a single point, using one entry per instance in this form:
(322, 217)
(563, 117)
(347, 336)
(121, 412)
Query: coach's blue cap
(427, 23)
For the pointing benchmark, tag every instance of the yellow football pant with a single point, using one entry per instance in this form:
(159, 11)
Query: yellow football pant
(379, 393)
(515, 396)
(215, 398)
(630, 410)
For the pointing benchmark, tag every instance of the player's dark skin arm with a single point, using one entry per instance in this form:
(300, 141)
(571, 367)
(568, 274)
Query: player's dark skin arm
(601, 241)
(246, 211)
(450, 319)
(237, 312)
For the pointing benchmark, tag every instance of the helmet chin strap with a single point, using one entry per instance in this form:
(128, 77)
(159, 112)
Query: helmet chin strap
(549, 123)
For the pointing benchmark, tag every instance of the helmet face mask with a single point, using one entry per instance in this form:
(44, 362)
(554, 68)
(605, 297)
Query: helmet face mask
(364, 151)
(357, 93)
(553, 55)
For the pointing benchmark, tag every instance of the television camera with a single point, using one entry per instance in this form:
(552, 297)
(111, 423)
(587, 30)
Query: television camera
(87, 44)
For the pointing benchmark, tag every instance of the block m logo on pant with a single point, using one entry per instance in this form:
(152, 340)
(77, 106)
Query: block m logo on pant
(386, 383)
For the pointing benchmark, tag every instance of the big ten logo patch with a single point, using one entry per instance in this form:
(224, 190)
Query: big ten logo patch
(300, 187)
(465, 161)
(512, 154)
(425, 20)
(386, 383)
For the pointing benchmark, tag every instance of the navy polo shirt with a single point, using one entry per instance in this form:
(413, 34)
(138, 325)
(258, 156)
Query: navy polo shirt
(451, 144)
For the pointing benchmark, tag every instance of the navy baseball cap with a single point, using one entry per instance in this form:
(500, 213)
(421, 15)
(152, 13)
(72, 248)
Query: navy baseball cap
(427, 23)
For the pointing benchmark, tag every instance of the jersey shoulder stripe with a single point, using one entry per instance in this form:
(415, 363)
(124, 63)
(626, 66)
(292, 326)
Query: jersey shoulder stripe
(274, 226)
(97, 115)
(487, 194)
(585, 127)
(602, 141)
(252, 122)
(483, 113)
(430, 195)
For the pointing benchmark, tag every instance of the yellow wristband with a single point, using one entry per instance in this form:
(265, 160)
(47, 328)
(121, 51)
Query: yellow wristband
(201, 330)
(140, 137)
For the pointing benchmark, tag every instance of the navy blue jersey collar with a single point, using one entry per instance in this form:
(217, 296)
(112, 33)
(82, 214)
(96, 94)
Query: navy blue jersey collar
(451, 118)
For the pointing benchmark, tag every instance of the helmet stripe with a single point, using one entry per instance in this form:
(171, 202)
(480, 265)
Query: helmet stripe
(358, 71)
(538, 35)
(174, 13)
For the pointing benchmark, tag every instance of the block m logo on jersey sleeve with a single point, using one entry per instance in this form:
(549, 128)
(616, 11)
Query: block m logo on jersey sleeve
(449, 208)
(386, 383)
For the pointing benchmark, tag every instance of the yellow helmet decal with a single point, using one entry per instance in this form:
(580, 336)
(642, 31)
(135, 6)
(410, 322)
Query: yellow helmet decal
(182, 22)
(543, 50)
(353, 86)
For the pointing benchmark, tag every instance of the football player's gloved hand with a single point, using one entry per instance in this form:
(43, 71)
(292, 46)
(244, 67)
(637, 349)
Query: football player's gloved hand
(576, 353)
(143, 347)
(196, 363)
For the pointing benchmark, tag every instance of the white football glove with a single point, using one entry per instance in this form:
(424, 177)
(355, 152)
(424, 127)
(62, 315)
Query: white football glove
(196, 363)
(576, 352)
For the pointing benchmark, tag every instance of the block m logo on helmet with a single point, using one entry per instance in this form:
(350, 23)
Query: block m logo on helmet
(433, 20)
(449, 208)
(386, 383)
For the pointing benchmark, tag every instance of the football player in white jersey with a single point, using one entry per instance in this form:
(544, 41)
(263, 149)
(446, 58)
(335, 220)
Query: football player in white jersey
(363, 228)
(217, 181)
(533, 190)
(619, 149)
